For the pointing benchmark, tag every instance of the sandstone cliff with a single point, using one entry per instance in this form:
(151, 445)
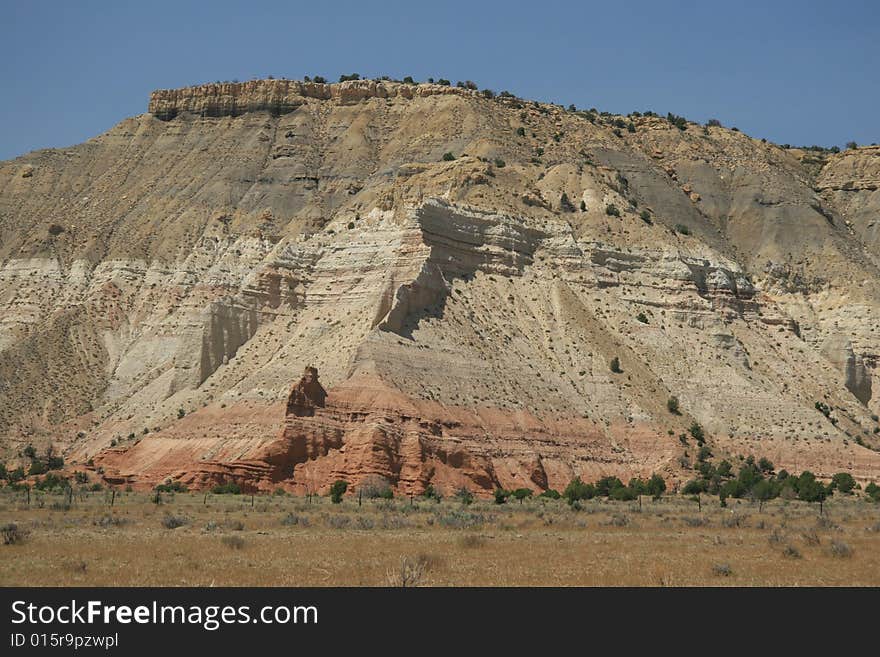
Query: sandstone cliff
(462, 313)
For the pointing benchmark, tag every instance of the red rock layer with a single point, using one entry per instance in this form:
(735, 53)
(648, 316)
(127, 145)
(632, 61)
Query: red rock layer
(368, 429)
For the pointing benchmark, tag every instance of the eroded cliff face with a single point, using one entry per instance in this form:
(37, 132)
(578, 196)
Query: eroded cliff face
(462, 314)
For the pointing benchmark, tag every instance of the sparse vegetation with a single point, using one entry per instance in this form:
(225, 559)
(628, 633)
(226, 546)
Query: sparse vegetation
(230, 488)
(678, 121)
(452, 539)
(13, 534)
(173, 522)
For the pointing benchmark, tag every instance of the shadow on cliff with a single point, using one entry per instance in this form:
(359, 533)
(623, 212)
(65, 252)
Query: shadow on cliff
(462, 243)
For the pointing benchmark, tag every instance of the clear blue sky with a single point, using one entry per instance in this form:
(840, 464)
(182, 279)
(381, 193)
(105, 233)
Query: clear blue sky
(798, 72)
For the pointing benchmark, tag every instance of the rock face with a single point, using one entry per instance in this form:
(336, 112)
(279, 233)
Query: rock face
(162, 285)
(856, 376)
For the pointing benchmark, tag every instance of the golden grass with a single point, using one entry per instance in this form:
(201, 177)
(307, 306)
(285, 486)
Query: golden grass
(228, 542)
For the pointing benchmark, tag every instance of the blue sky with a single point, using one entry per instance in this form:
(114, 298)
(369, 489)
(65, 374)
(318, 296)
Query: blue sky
(793, 72)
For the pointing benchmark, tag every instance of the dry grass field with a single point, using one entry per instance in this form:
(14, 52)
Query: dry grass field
(226, 540)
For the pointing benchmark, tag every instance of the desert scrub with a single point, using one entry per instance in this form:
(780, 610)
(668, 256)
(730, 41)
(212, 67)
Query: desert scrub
(410, 572)
(338, 521)
(292, 519)
(457, 519)
(233, 542)
(694, 521)
(618, 520)
(840, 550)
(108, 520)
(471, 541)
(791, 552)
(173, 522)
(13, 534)
(734, 520)
(722, 570)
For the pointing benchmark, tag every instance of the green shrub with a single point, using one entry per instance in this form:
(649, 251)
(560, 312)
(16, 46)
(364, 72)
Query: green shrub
(622, 494)
(500, 163)
(337, 490)
(645, 216)
(501, 495)
(553, 494)
(615, 365)
(725, 469)
(30, 452)
(656, 486)
(695, 487)
(431, 493)
(681, 228)
(873, 491)
(37, 468)
(173, 487)
(697, 432)
(764, 490)
(843, 482)
(230, 488)
(611, 210)
(809, 489)
(50, 482)
(672, 405)
(464, 496)
(522, 493)
(521, 132)
(448, 156)
(678, 121)
(766, 465)
(641, 317)
(578, 490)
(606, 484)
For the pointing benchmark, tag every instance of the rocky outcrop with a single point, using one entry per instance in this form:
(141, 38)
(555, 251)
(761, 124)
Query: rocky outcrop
(307, 395)
(279, 96)
(856, 376)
